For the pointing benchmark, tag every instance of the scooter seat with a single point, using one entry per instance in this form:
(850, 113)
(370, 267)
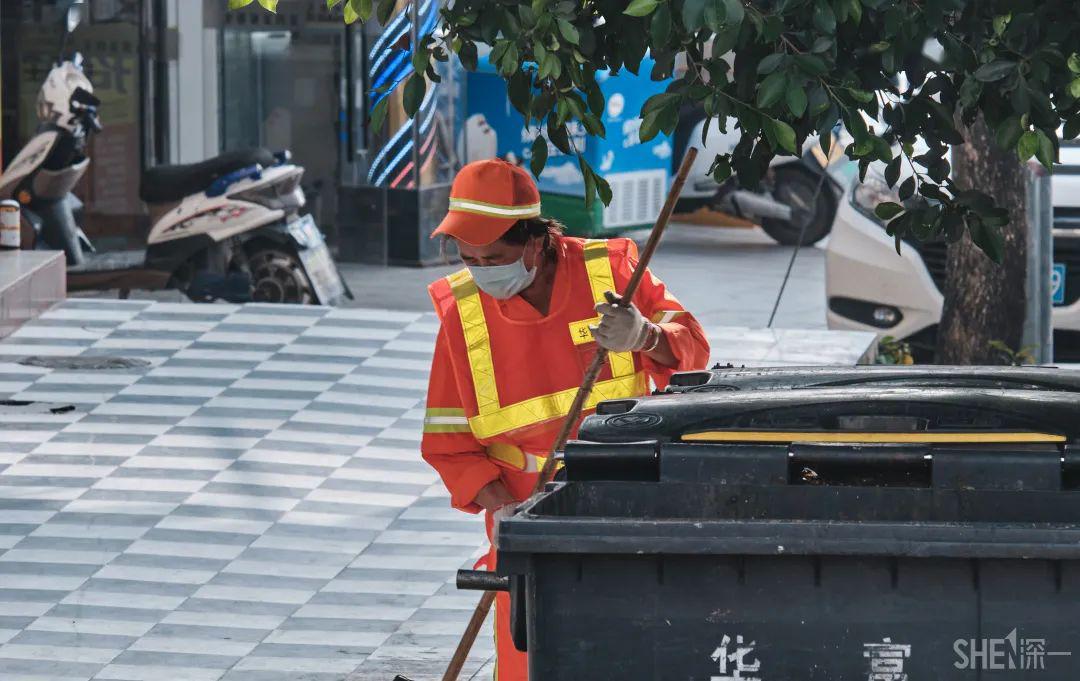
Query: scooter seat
(110, 261)
(172, 183)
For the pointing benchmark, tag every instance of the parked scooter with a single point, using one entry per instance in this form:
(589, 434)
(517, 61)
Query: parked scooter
(794, 199)
(227, 228)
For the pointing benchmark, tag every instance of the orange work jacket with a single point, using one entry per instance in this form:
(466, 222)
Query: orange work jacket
(503, 375)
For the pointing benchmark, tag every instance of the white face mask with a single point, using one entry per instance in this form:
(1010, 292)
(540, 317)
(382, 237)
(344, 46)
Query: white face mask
(503, 281)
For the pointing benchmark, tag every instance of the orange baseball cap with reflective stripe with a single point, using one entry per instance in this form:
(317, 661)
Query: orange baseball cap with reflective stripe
(486, 199)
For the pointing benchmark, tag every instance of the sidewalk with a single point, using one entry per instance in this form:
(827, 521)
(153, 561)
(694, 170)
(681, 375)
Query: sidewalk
(250, 505)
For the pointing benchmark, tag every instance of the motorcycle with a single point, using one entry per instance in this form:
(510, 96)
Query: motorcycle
(227, 228)
(798, 196)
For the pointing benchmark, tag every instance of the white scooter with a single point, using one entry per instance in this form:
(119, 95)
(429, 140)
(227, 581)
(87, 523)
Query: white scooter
(795, 198)
(226, 228)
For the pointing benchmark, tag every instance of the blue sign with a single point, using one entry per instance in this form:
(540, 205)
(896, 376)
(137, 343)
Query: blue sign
(1057, 284)
(495, 128)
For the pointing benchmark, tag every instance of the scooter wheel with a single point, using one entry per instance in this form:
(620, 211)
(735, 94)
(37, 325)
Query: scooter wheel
(278, 277)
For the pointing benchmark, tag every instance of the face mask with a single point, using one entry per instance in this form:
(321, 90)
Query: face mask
(503, 281)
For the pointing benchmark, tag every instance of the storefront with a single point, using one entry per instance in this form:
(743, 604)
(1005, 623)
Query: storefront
(121, 48)
(183, 80)
(303, 80)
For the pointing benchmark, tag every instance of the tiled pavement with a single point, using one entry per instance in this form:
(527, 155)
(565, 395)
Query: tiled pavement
(250, 506)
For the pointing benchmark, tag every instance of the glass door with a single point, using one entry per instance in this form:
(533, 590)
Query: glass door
(281, 88)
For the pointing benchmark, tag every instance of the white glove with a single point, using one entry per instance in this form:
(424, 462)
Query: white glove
(622, 327)
(500, 514)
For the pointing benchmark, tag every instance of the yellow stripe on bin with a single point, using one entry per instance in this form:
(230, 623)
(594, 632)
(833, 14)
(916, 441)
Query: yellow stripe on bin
(904, 438)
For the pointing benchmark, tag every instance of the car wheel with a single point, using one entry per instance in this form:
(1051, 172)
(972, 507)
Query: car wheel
(811, 217)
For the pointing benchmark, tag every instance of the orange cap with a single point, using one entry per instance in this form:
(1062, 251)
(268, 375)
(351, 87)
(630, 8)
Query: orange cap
(486, 199)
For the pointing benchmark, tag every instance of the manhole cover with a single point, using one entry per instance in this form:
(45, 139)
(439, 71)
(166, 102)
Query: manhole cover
(85, 363)
(25, 407)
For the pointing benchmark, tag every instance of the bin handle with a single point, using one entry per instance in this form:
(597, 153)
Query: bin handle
(481, 580)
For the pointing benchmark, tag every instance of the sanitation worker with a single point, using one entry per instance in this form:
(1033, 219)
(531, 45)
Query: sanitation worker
(519, 325)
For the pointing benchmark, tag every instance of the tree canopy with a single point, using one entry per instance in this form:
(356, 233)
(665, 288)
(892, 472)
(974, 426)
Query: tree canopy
(785, 70)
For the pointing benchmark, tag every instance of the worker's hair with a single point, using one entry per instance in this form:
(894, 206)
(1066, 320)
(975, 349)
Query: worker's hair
(523, 230)
(520, 233)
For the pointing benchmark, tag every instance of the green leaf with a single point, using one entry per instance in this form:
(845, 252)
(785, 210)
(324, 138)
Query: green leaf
(824, 17)
(1045, 152)
(568, 31)
(819, 101)
(331, 4)
(360, 10)
(783, 133)
(734, 12)
(1072, 128)
(855, 11)
(796, 100)
(812, 64)
(822, 44)
(590, 181)
(988, 239)
(237, 4)
(660, 27)
(994, 71)
(693, 15)
(414, 94)
(1074, 63)
(519, 91)
(385, 11)
(595, 99)
(771, 90)
(907, 188)
(721, 169)
(1074, 88)
(770, 63)
(725, 41)
(603, 189)
(641, 8)
(378, 115)
(650, 126)
(559, 136)
(892, 171)
(861, 96)
(888, 210)
(539, 156)
(269, 5)
(1009, 132)
(1027, 146)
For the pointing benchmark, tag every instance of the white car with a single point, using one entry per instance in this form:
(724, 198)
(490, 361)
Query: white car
(871, 288)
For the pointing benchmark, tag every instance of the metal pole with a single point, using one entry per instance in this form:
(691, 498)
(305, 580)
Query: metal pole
(1038, 323)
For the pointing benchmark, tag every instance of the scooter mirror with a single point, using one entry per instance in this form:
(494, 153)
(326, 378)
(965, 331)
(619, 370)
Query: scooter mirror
(75, 15)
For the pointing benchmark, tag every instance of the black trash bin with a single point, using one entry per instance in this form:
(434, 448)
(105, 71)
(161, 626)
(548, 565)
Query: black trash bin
(729, 378)
(862, 533)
